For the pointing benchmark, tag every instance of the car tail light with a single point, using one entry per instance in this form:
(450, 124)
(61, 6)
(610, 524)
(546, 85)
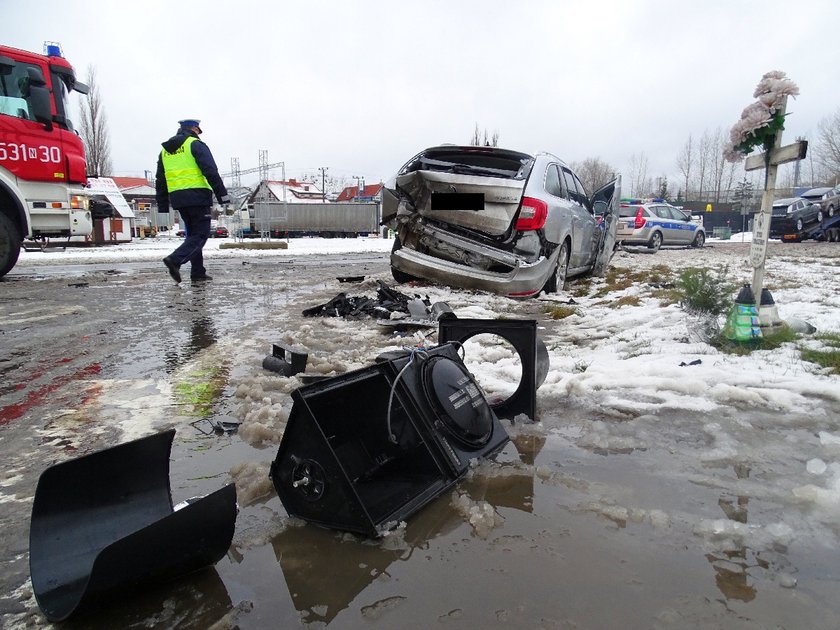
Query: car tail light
(532, 215)
(640, 220)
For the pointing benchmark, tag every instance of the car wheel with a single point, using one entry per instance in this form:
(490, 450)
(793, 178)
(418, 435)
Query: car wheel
(799, 225)
(557, 281)
(830, 212)
(400, 276)
(699, 240)
(819, 217)
(655, 241)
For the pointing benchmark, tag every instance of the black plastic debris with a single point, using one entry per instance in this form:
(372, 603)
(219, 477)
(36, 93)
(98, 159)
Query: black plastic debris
(387, 301)
(533, 356)
(285, 360)
(216, 427)
(368, 448)
(104, 523)
(695, 362)
(350, 278)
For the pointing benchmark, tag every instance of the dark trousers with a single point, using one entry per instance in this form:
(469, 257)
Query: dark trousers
(196, 220)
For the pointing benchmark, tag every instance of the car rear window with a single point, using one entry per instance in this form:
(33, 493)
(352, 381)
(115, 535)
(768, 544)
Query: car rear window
(628, 211)
(473, 160)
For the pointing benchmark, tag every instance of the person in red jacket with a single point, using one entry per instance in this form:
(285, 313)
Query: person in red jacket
(186, 180)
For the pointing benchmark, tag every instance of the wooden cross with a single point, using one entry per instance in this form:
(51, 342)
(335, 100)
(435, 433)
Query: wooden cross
(761, 224)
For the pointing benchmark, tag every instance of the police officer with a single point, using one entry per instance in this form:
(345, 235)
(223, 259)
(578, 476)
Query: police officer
(187, 178)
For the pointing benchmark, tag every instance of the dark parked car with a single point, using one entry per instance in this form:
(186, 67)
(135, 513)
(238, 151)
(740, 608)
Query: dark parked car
(497, 220)
(827, 198)
(219, 232)
(791, 215)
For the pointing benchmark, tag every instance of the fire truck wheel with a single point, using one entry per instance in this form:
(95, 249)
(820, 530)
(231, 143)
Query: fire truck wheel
(10, 240)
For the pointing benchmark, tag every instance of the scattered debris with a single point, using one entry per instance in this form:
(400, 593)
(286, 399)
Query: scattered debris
(387, 301)
(286, 360)
(695, 362)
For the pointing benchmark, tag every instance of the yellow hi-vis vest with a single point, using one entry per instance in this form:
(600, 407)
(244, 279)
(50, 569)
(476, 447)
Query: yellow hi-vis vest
(181, 169)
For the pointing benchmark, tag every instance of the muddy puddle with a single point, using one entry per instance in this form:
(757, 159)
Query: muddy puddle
(561, 530)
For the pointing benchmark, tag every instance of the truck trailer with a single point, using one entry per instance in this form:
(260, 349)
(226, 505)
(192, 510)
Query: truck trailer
(277, 219)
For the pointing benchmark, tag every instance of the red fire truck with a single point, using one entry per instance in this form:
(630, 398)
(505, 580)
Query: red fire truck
(42, 158)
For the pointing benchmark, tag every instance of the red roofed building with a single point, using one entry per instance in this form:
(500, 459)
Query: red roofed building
(368, 193)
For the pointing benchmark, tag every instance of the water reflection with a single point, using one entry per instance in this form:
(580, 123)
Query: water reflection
(202, 329)
(202, 593)
(732, 565)
(326, 570)
(510, 484)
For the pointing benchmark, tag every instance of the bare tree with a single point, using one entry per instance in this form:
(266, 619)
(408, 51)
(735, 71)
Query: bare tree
(685, 162)
(94, 130)
(594, 173)
(705, 154)
(640, 183)
(827, 147)
(489, 140)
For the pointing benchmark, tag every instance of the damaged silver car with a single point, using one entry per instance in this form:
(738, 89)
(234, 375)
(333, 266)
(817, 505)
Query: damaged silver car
(497, 220)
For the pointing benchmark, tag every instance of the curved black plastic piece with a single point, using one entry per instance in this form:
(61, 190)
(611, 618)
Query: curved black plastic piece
(522, 335)
(105, 522)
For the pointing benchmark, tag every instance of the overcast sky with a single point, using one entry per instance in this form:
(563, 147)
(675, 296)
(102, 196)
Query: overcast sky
(360, 87)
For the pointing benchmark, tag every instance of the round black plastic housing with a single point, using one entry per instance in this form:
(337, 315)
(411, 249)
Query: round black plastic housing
(459, 403)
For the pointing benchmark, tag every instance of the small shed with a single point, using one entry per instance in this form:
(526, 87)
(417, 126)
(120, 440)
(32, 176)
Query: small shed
(113, 219)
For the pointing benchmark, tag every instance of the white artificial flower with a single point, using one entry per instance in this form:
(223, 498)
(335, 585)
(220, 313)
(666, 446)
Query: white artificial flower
(731, 155)
(774, 74)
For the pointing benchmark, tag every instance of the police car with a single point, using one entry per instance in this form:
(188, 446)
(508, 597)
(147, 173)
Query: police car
(655, 223)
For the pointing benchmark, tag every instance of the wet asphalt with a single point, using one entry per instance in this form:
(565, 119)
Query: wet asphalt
(91, 356)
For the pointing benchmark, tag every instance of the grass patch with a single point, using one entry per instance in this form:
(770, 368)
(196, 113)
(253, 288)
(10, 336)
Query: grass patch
(581, 288)
(620, 278)
(744, 348)
(667, 297)
(825, 358)
(627, 300)
(561, 312)
(829, 339)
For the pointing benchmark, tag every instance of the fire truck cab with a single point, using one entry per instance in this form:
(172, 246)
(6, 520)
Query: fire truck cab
(42, 158)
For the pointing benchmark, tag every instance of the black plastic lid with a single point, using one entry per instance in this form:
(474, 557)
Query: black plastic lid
(745, 296)
(460, 403)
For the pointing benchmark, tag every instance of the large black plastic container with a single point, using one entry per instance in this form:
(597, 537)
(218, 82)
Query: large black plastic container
(367, 449)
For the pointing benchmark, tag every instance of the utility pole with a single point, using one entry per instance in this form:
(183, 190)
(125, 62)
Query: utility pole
(323, 170)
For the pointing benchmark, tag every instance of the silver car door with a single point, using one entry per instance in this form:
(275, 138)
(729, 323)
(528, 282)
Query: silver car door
(587, 225)
(578, 225)
(683, 229)
(605, 202)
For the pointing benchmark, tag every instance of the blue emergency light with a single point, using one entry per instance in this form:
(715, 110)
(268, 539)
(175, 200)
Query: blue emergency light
(52, 49)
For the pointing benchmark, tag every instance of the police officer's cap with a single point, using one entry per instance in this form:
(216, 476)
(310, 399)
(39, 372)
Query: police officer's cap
(190, 122)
